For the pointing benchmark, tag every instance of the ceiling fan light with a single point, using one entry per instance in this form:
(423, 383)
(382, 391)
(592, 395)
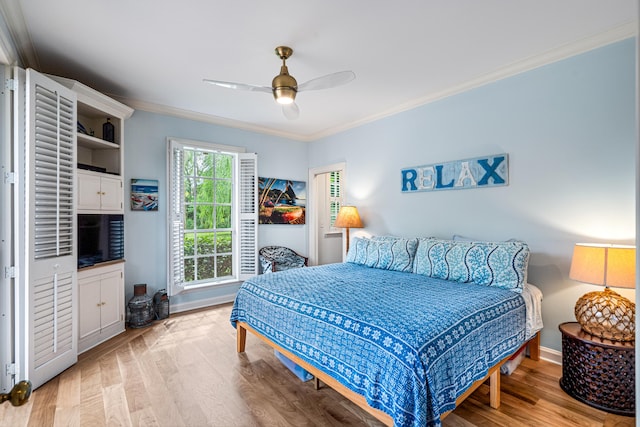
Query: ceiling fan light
(284, 87)
(284, 95)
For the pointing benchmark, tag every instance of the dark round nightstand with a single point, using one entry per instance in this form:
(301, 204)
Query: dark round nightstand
(598, 372)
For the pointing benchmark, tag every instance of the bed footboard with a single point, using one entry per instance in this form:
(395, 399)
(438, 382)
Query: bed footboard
(493, 375)
(534, 347)
(241, 337)
(319, 375)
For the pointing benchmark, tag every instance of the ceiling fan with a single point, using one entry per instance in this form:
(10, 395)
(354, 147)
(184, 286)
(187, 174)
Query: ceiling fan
(284, 87)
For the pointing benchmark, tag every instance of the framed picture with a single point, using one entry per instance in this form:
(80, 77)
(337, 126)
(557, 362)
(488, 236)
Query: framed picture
(281, 201)
(144, 194)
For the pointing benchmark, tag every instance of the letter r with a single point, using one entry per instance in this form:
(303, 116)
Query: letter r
(409, 177)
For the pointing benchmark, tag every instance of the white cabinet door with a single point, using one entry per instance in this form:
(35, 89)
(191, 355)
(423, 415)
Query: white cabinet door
(111, 192)
(101, 312)
(98, 193)
(88, 191)
(111, 290)
(90, 303)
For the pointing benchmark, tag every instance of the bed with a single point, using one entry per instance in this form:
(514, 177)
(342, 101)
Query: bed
(390, 329)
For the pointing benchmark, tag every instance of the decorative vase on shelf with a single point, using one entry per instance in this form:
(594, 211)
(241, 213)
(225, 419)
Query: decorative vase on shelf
(108, 131)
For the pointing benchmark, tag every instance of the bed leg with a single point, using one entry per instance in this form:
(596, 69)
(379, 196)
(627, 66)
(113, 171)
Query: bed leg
(241, 338)
(534, 347)
(494, 389)
(316, 383)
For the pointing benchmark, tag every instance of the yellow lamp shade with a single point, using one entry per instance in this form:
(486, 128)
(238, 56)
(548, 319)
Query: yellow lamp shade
(348, 217)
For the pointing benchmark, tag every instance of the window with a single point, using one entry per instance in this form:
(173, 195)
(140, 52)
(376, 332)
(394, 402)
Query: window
(334, 184)
(213, 214)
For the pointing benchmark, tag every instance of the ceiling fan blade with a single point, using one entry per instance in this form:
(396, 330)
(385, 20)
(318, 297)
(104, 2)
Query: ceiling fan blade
(291, 111)
(240, 86)
(328, 81)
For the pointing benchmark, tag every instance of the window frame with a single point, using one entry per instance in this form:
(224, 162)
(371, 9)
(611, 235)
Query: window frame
(244, 216)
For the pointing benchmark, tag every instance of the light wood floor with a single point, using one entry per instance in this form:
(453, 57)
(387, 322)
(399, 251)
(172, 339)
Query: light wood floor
(184, 371)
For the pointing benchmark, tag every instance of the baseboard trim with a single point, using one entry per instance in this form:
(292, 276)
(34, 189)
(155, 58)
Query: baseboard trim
(203, 303)
(551, 355)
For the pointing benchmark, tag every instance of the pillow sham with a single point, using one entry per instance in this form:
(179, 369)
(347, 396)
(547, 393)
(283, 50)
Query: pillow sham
(383, 238)
(460, 238)
(500, 264)
(388, 254)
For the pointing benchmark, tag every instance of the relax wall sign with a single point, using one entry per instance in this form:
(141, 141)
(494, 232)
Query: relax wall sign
(479, 172)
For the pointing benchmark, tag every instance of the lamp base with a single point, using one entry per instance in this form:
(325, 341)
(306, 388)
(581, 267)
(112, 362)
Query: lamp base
(607, 315)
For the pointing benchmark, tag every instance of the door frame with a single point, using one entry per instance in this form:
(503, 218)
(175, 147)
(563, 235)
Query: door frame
(312, 213)
(6, 237)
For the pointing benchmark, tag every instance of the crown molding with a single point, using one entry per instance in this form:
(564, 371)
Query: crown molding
(8, 54)
(15, 40)
(206, 118)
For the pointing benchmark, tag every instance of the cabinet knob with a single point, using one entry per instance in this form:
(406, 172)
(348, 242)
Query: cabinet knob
(98, 305)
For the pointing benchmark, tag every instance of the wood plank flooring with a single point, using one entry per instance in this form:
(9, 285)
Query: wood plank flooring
(184, 371)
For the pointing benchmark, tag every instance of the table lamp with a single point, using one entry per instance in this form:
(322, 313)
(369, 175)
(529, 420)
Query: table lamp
(348, 217)
(605, 314)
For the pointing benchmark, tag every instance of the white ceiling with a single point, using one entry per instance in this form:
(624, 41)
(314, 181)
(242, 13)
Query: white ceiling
(153, 54)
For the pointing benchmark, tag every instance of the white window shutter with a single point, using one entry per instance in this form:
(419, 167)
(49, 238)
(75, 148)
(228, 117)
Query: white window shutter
(335, 197)
(248, 217)
(176, 219)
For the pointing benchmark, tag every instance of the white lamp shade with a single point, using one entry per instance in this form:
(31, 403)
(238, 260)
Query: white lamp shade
(600, 264)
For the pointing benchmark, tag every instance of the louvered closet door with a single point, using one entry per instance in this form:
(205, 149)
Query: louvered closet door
(51, 216)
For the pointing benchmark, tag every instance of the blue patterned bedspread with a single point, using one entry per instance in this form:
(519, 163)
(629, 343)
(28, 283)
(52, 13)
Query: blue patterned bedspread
(409, 343)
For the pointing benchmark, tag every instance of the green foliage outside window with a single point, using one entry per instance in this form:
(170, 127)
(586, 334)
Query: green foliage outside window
(207, 223)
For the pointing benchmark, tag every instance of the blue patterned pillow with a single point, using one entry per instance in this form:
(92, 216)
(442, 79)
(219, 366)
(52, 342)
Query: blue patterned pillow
(499, 264)
(389, 254)
(358, 250)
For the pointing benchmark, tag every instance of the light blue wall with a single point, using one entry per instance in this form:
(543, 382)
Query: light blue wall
(146, 156)
(569, 130)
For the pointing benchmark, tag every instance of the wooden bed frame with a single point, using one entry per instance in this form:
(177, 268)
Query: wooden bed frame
(358, 399)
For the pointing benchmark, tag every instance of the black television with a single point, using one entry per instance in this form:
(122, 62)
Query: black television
(100, 238)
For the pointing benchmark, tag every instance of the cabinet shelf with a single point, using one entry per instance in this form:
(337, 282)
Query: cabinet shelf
(93, 110)
(94, 143)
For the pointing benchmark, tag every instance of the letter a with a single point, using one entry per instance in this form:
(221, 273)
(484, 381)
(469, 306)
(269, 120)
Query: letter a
(465, 173)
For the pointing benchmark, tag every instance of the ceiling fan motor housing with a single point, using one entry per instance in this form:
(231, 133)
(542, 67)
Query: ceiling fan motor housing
(284, 87)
